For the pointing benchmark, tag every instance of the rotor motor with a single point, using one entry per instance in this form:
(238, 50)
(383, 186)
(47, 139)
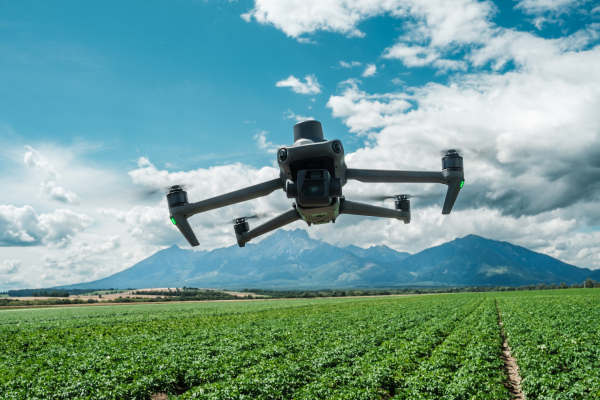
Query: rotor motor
(177, 197)
(452, 161)
(402, 203)
(241, 226)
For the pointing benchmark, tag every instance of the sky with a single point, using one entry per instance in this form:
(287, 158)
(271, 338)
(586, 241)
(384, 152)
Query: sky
(104, 104)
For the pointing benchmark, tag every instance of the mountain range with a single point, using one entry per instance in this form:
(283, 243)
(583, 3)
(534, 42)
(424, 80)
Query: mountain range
(292, 260)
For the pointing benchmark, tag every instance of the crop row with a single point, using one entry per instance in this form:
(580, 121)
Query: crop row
(556, 341)
(302, 349)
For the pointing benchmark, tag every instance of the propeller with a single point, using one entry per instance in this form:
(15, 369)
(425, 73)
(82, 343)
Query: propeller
(454, 149)
(394, 197)
(150, 192)
(259, 215)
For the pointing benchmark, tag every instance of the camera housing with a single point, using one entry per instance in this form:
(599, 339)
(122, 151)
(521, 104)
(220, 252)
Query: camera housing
(312, 188)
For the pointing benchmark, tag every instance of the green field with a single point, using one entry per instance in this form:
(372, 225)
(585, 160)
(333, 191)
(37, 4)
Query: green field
(419, 347)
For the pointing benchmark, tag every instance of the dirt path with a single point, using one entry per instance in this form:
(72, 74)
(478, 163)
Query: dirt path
(510, 364)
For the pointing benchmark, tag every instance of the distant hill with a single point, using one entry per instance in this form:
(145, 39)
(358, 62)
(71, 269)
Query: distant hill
(291, 259)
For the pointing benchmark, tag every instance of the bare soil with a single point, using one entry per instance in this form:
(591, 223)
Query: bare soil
(511, 367)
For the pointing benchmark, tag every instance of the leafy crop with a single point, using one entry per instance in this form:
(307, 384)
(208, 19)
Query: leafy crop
(362, 348)
(556, 341)
(420, 347)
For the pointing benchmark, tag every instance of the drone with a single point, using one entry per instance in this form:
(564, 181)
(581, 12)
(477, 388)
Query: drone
(313, 172)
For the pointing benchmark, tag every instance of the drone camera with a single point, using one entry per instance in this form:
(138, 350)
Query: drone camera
(452, 161)
(177, 197)
(313, 188)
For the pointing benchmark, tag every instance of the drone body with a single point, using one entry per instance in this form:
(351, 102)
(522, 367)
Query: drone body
(313, 172)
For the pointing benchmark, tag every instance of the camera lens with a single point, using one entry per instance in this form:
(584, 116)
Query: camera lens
(282, 154)
(337, 147)
(315, 175)
(313, 189)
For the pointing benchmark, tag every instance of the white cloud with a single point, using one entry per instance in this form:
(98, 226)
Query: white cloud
(152, 225)
(24, 227)
(351, 64)
(82, 258)
(310, 87)
(263, 144)
(541, 6)
(443, 21)
(289, 114)
(9, 267)
(49, 186)
(370, 70)
(522, 175)
(363, 112)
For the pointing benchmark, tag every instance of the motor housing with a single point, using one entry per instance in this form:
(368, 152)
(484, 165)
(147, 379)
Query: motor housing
(402, 203)
(452, 161)
(177, 197)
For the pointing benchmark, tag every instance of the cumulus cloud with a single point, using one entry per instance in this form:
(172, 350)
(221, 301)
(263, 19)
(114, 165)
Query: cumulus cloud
(363, 112)
(311, 86)
(264, 144)
(152, 225)
(82, 258)
(523, 175)
(351, 64)
(9, 267)
(289, 114)
(444, 21)
(24, 227)
(370, 70)
(49, 186)
(542, 6)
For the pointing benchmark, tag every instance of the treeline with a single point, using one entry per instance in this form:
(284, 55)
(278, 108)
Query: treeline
(36, 292)
(42, 302)
(190, 294)
(295, 294)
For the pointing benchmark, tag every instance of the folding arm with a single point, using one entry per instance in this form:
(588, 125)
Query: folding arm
(181, 210)
(454, 180)
(388, 176)
(354, 208)
(281, 220)
(238, 196)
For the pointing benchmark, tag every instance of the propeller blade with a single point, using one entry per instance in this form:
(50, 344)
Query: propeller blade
(153, 191)
(457, 149)
(259, 215)
(394, 197)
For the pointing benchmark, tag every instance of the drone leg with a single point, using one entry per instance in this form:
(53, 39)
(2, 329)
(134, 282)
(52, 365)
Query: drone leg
(281, 220)
(354, 208)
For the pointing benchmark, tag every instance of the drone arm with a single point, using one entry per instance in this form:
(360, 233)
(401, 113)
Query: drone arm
(281, 220)
(453, 189)
(454, 180)
(354, 208)
(184, 227)
(238, 196)
(389, 176)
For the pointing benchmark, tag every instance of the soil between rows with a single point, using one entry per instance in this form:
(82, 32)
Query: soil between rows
(510, 364)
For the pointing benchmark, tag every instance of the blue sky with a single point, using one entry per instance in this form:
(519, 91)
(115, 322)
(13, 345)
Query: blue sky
(116, 96)
(135, 76)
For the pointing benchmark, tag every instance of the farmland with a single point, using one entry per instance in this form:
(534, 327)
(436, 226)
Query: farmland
(436, 347)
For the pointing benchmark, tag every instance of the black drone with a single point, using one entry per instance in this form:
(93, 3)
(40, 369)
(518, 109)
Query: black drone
(313, 172)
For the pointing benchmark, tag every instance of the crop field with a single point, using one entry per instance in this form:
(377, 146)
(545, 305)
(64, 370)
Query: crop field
(414, 347)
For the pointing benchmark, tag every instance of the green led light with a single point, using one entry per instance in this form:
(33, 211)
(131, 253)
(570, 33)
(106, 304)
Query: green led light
(175, 223)
(462, 183)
